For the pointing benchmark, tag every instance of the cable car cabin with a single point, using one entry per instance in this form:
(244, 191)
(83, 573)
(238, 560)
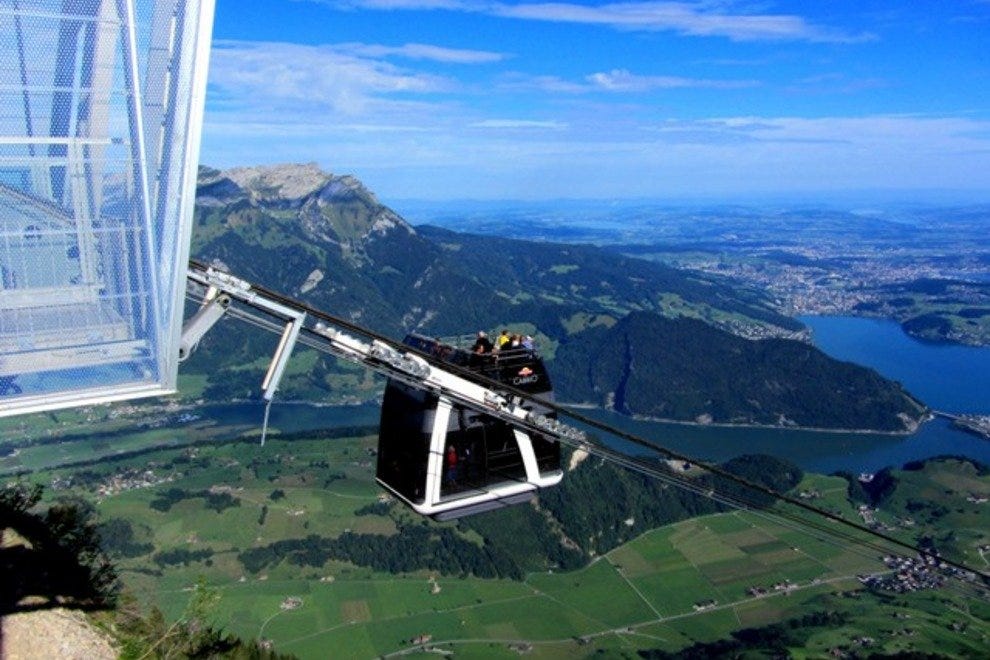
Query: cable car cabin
(448, 461)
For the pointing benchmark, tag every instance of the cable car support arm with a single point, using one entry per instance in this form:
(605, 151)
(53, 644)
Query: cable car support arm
(298, 322)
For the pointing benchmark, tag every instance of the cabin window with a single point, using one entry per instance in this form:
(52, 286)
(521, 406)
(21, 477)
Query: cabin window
(481, 453)
(547, 453)
(404, 442)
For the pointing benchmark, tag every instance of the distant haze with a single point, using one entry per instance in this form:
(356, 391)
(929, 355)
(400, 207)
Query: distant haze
(739, 100)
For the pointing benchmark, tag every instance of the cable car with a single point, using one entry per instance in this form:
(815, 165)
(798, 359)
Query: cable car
(445, 460)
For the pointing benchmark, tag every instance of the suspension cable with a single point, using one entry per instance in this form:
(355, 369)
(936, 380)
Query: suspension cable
(596, 446)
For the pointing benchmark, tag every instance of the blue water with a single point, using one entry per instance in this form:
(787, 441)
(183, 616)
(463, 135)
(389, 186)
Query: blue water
(946, 377)
(816, 451)
(292, 417)
(949, 378)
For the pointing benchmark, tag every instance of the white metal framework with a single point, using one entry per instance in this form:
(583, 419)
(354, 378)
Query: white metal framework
(482, 499)
(218, 292)
(101, 105)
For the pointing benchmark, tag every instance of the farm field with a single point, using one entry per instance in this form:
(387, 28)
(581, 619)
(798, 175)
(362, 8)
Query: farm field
(193, 511)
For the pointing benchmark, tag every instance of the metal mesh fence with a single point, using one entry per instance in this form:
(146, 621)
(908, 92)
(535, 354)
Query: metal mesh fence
(100, 112)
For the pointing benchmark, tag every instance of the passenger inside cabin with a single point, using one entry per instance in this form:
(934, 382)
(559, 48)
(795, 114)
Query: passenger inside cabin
(451, 465)
(503, 339)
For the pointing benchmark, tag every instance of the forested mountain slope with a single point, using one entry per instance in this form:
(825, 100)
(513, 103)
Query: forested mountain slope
(600, 281)
(327, 240)
(685, 369)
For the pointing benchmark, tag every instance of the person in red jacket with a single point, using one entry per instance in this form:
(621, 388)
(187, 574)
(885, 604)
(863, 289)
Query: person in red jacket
(451, 460)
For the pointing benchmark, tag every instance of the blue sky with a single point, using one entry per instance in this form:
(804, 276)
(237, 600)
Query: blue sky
(719, 99)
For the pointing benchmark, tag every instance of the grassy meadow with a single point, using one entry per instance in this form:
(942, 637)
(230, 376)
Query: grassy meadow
(669, 588)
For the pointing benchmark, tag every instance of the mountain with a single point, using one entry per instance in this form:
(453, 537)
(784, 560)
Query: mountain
(327, 240)
(311, 235)
(598, 281)
(684, 369)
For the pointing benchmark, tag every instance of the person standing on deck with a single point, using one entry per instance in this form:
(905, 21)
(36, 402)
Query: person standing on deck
(482, 344)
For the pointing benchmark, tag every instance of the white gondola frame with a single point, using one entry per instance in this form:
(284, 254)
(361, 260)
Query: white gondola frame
(509, 492)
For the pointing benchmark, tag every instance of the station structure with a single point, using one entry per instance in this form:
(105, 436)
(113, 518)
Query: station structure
(101, 112)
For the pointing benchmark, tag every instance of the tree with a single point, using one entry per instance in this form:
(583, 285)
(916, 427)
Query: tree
(145, 636)
(60, 561)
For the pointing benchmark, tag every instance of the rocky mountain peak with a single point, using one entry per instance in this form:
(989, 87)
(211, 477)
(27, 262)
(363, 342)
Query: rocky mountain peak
(288, 181)
(324, 208)
(346, 186)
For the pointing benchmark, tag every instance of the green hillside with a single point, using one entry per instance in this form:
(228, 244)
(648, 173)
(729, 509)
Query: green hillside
(327, 240)
(598, 565)
(598, 281)
(330, 242)
(685, 369)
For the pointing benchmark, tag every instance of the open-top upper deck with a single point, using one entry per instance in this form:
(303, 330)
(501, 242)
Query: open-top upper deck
(519, 367)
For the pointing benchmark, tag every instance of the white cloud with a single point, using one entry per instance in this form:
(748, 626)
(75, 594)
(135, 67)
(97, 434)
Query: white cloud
(506, 157)
(297, 130)
(282, 75)
(704, 18)
(518, 123)
(888, 133)
(422, 52)
(620, 80)
(396, 127)
(389, 5)
(616, 80)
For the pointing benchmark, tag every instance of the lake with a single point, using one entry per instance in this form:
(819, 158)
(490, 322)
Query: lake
(292, 417)
(949, 378)
(946, 377)
(815, 451)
